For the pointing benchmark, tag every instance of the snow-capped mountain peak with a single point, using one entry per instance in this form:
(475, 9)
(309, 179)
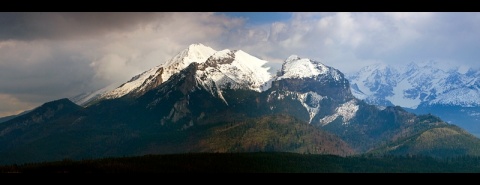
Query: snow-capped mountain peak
(194, 53)
(296, 67)
(234, 69)
(155, 76)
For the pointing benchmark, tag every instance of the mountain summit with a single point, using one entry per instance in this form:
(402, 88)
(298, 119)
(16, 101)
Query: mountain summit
(150, 79)
(228, 69)
(296, 67)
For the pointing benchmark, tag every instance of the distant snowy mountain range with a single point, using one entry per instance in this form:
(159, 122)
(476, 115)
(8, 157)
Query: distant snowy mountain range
(428, 87)
(416, 85)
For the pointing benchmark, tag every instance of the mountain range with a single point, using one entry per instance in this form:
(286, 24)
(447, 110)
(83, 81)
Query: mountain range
(203, 100)
(450, 92)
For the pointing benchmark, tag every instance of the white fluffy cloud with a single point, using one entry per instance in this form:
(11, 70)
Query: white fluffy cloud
(349, 41)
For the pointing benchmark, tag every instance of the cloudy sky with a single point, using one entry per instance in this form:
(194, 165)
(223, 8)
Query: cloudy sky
(48, 56)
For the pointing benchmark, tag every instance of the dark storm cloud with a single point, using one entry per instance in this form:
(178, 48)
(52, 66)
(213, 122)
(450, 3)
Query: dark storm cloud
(48, 73)
(53, 25)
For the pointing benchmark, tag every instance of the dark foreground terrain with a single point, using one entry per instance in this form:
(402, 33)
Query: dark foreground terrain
(254, 163)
